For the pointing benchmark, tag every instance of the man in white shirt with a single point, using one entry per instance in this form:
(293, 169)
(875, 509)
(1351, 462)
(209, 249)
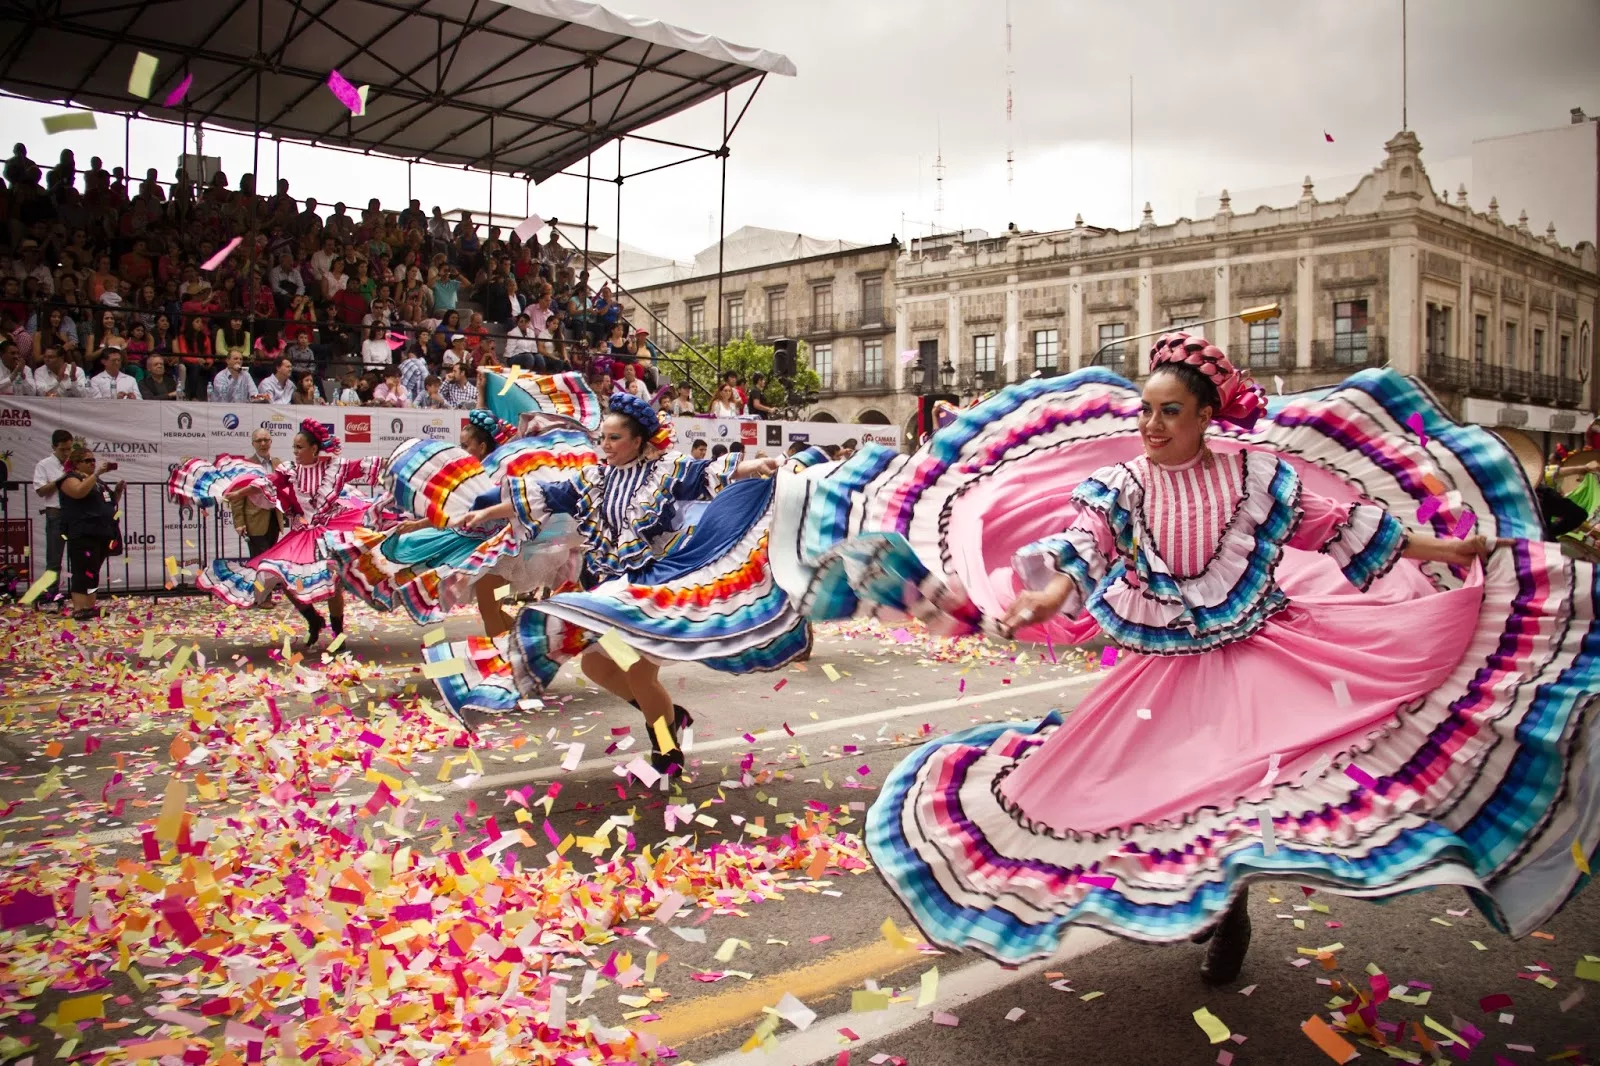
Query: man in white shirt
(278, 386)
(323, 259)
(233, 383)
(47, 472)
(111, 383)
(285, 281)
(14, 379)
(57, 377)
(522, 345)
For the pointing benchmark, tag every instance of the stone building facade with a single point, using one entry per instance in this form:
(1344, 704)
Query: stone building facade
(840, 305)
(1498, 320)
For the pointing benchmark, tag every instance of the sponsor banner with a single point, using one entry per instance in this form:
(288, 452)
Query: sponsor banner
(148, 440)
(774, 438)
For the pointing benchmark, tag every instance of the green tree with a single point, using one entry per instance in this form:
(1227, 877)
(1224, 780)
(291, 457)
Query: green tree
(747, 358)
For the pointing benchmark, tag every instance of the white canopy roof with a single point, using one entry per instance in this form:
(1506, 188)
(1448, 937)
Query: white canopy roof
(524, 87)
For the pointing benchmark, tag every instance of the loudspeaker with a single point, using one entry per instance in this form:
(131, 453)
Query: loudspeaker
(783, 362)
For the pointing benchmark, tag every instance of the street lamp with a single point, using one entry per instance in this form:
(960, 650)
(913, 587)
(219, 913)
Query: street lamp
(1249, 315)
(947, 375)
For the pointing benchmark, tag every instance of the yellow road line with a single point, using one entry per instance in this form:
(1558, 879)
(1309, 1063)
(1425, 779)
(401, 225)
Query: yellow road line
(692, 1019)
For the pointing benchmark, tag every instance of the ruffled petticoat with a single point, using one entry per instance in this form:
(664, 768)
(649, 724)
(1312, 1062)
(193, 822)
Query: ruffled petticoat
(1437, 729)
(711, 600)
(293, 563)
(430, 572)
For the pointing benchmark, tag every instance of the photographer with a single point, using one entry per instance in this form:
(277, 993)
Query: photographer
(88, 513)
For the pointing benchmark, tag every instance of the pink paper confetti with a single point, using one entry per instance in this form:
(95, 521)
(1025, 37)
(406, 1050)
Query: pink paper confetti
(1464, 525)
(863, 769)
(901, 636)
(344, 91)
(175, 696)
(221, 257)
(782, 681)
(945, 1018)
(1327, 136)
(1428, 508)
(175, 97)
(26, 908)
(1360, 776)
(1108, 656)
(1415, 422)
(1098, 880)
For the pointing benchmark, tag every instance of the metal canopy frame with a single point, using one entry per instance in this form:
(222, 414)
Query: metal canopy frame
(517, 87)
(565, 78)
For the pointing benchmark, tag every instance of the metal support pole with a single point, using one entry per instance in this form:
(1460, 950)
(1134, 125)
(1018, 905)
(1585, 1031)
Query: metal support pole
(408, 183)
(490, 219)
(588, 167)
(722, 232)
(127, 149)
(618, 231)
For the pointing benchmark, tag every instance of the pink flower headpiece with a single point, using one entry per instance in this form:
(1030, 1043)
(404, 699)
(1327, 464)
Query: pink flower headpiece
(1243, 401)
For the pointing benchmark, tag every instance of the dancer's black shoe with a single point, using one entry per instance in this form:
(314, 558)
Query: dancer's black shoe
(1226, 952)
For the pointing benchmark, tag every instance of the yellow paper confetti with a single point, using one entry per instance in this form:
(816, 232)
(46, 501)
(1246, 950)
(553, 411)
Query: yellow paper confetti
(930, 987)
(1579, 859)
(432, 637)
(144, 72)
(896, 938)
(828, 669)
(663, 735)
(72, 120)
(615, 647)
(46, 581)
(171, 817)
(445, 668)
(1214, 1028)
(862, 1000)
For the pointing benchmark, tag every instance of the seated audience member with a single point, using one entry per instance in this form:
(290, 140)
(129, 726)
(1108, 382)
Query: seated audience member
(111, 383)
(389, 392)
(432, 399)
(57, 377)
(278, 386)
(349, 396)
(305, 389)
(459, 394)
(157, 384)
(233, 383)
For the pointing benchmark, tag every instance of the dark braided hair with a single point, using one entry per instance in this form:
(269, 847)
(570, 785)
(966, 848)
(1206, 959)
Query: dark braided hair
(1202, 388)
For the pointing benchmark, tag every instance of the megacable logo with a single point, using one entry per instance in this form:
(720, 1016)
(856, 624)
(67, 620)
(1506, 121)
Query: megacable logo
(358, 429)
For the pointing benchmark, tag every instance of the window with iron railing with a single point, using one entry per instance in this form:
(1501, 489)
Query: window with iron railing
(821, 301)
(1438, 330)
(1046, 348)
(871, 298)
(1189, 324)
(1563, 356)
(697, 319)
(872, 363)
(822, 363)
(734, 315)
(983, 353)
(1264, 347)
(1511, 344)
(1350, 332)
(777, 306)
(1480, 339)
(1538, 351)
(1111, 333)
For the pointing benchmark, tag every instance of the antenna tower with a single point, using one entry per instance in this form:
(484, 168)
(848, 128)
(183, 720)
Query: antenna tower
(1010, 155)
(938, 180)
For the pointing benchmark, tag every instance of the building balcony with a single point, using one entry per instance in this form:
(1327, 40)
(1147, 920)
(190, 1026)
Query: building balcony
(969, 379)
(868, 383)
(1046, 366)
(1502, 382)
(1360, 352)
(817, 325)
(869, 320)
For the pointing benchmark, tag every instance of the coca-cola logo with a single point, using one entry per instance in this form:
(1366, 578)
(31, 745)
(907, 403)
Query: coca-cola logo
(358, 429)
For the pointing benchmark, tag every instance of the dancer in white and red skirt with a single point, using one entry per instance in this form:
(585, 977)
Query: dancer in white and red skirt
(312, 492)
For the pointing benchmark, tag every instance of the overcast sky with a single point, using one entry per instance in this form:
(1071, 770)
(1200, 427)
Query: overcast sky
(1234, 93)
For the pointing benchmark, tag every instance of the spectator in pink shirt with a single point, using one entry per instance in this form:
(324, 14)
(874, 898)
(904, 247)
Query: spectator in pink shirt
(390, 393)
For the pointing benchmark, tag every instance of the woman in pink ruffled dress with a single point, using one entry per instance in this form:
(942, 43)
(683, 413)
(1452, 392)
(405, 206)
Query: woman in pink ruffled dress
(1309, 688)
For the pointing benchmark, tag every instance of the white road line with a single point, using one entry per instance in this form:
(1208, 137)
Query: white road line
(808, 729)
(545, 773)
(821, 1042)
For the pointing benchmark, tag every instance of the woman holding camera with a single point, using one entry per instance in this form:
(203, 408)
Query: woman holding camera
(89, 517)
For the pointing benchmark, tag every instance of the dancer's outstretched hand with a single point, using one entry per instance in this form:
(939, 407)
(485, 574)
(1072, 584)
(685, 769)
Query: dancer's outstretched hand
(1036, 606)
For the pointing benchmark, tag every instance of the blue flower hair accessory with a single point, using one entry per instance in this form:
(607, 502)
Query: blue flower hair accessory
(657, 431)
(492, 427)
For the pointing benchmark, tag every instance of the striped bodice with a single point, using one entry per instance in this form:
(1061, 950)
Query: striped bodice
(1187, 508)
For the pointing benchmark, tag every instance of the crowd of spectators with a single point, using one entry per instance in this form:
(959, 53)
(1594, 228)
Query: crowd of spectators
(102, 294)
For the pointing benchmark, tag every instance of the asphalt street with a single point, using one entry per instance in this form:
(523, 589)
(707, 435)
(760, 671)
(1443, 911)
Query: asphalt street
(824, 733)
